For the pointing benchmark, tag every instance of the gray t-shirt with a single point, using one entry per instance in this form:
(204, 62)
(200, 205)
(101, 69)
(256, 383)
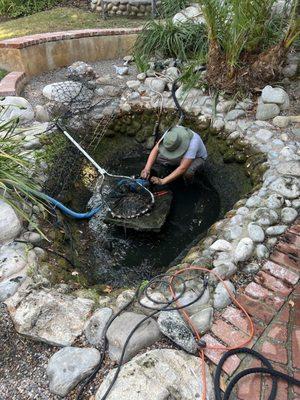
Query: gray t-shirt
(196, 148)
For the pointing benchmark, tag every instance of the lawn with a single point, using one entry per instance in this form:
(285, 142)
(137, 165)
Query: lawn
(62, 19)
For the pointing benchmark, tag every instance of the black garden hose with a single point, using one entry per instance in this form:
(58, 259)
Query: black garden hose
(269, 370)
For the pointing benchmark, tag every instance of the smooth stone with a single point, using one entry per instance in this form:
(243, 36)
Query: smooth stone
(133, 84)
(243, 250)
(10, 224)
(296, 203)
(32, 237)
(174, 327)
(264, 216)
(159, 374)
(281, 121)
(14, 107)
(142, 76)
(69, 366)
(288, 215)
(155, 84)
(291, 168)
(253, 201)
(276, 230)
(224, 269)
(191, 14)
(267, 111)
(95, 328)
(41, 114)
(221, 245)
(274, 95)
(262, 251)
(190, 295)
(49, 316)
(221, 296)
(286, 187)
(65, 92)
(202, 320)
(233, 232)
(218, 124)
(263, 135)
(275, 201)
(225, 106)
(9, 286)
(13, 259)
(234, 114)
(256, 233)
(124, 298)
(251, 268)
(147, 334)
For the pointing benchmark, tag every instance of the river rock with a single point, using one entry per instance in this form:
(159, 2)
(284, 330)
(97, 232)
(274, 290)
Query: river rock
(262, 251)
(13, 259)
(147, 334)
(281, 121)
(67, 91)
(263, 135)
(256, 233)
(9, 286)
(267, 111)
(233, 232)
(80, 70)
(190, 295)
(288, 215)
(234, 114)
(124, 298)
(69, 366)
(275, 95)
(291, 168)
(159, 374)
(264, 216)
(15, 107)
(251, 268)
(223, 268)
(221, 296)
(173, 326)
(243, 250)
(10, 225)
(286, 187)
(41, 114)
(275, 201)
(276, 230)
(202, 320)
(95, 328)
(253, 201)
(49, 316)
(221, 245)
(155, 84)
(191, 14)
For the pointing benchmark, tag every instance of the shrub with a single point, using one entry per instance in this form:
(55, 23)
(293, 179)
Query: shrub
(168, 8)
(17, 8)
(163, 39)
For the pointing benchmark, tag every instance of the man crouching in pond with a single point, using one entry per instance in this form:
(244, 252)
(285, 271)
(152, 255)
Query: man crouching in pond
(181, 149)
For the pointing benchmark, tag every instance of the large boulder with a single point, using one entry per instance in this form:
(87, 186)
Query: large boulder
(16, 107)
(10, 224)
(69, 366)
(159, 374)
(49, 316)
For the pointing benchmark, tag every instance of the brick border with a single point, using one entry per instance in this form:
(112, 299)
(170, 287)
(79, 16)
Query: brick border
(12, 84)
(31, 40)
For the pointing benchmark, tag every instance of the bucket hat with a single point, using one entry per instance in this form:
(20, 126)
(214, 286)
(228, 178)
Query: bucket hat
(175, 142)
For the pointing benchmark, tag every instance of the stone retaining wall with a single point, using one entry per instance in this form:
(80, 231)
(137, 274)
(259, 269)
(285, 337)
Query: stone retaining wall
(59, 49)
(133, 8)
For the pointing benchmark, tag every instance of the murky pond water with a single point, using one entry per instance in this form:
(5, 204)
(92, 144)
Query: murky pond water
(123, 257)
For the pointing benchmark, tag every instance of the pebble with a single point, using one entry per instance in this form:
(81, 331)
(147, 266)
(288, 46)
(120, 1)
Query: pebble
(221, 245)
(253, 201)
(264, 216)
(274, 95)
(202, 320)
(243, 250)
(251, 268)
(281, 121)
(262, 251)
(287, 187)
(288, 215)
(267, 111)
(275, 201)
(263, 135)
(234, 114)
(276, 230)
(256, 233)
(221, 296)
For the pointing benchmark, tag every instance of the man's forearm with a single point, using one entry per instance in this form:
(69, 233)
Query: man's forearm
(152, 158)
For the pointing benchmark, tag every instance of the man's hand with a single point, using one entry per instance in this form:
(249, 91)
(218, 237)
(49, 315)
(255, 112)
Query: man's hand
(157, 181)
(145, 174)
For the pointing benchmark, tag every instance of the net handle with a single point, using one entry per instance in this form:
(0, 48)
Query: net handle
(97, 166)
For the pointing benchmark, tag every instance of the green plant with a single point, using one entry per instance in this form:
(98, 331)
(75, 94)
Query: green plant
(162, 39)
(15, 183)
(247, 40)
(168, 8)
(2, 73)
(17, 8)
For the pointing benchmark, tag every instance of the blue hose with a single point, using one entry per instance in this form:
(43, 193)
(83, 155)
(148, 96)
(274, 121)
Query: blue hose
(65, 209)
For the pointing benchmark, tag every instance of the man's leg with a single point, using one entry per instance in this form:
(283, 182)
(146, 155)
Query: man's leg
(196, 166)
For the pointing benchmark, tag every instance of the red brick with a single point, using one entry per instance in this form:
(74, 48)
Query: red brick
(295, 229)
(256, 308)
(237, 318)
(292, 238)
(228, 334)
(296, 347)
(250, 386)
(282, 273)
(260, 293)
(215, 355)
(284, 315)
(284, 259)
(274, 352)
(272, 283)
(287, 248)
(278, 332)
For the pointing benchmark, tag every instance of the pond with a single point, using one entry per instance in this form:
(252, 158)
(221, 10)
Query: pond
(123, 257)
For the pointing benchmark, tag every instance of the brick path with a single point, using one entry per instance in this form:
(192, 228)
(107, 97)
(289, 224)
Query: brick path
(272, 299)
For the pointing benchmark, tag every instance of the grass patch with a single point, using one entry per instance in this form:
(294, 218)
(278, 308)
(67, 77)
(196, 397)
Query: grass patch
(2, 73)
(62, 19)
